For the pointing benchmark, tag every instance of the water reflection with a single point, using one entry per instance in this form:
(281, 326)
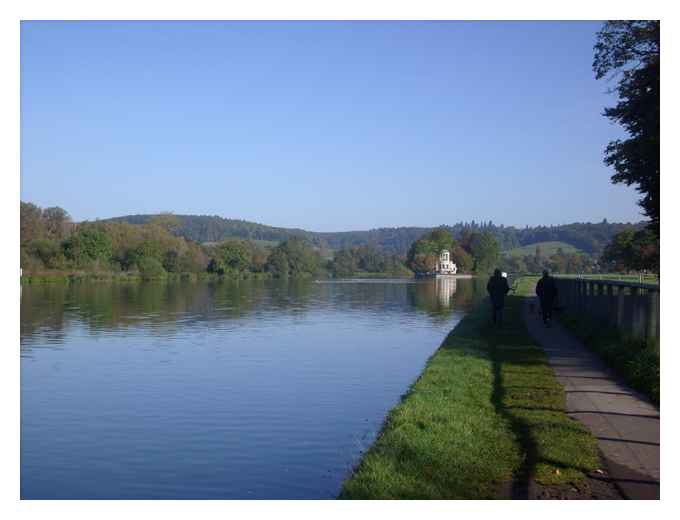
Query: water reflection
(48, 309)
(446, 287)
(217, 390)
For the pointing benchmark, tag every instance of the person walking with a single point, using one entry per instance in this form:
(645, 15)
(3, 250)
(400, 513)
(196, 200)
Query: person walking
(497, 287)
(546, 290)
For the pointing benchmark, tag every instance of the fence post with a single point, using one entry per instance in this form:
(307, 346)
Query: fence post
(611, 309)
(638, 325)
(620, 307)
(653, 315)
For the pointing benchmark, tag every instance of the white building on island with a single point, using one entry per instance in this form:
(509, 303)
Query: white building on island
(446, 266)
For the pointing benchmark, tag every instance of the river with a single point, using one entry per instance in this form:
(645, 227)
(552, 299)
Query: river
(237, 390)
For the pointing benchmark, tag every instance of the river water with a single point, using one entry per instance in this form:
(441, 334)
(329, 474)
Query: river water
(241, 390)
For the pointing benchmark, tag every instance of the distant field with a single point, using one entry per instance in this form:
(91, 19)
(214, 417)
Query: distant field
(547, 249)
(267, 243)
(261, 243)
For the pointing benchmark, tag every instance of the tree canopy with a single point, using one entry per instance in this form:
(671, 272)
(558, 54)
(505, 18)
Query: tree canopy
(295, 258)
(485, 252)
(630, 50)
(423, 254)
(632, 251)
(366, 259)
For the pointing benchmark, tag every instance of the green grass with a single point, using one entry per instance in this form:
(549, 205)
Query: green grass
(486, 414)
(524, 286)
(547, 249)
(266, 243)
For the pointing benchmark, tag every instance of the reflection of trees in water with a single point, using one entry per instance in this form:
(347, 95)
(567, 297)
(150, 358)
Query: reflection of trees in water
(49, 308)
(104, 306)
(42, 307)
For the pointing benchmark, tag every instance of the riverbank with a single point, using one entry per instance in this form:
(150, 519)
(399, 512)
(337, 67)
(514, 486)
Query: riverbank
(486, 419)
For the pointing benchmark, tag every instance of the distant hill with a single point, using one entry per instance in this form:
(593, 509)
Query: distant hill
(587, 237)
(547, 249)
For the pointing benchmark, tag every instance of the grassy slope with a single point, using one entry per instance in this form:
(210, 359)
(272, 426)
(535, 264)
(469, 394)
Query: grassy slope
(547, 249)
(486, 410)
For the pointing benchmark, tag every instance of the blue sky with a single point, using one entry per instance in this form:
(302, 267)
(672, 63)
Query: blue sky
(325, 126)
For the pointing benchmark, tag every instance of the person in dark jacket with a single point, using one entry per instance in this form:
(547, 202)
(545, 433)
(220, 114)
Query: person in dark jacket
(497, 289)
(546, 290)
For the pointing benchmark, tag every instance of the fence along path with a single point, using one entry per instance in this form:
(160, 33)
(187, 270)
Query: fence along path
(632, 307)
(624, 422)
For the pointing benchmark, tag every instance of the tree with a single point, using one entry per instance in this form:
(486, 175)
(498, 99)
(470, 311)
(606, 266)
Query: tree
(32, 226)
(277, 263)
(48, 251)
(632, 250)
(57, 222)
(193, 260)
(234, 255)
(617, 254)
(485, 252)
(344, 264)
(295, 258)
(216, 266)
(558, 263)
(166, 220)
(424, 253)
(171, 261)
(86, 245)
(462, 259)
(645, 251)
(538, 256)
(631, 49)
(150, 268)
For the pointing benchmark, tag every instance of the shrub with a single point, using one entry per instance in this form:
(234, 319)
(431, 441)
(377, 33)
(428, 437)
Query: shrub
(150, 268)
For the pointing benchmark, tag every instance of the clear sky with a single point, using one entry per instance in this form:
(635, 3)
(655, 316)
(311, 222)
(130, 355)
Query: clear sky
(325, 126)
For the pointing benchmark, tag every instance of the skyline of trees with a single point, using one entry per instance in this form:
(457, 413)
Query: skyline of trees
(589, 237)
(50, 241)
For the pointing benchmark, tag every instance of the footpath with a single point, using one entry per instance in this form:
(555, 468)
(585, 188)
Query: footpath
(624, 422)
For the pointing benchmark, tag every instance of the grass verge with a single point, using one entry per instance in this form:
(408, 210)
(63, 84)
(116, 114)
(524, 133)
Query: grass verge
(486, 414)
(635, 360)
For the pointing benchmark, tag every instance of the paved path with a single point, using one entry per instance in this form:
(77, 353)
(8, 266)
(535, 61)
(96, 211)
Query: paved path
(624, 422)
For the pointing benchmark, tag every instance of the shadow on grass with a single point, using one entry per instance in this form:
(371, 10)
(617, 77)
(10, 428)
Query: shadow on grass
(557, 450)
(485, 419)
